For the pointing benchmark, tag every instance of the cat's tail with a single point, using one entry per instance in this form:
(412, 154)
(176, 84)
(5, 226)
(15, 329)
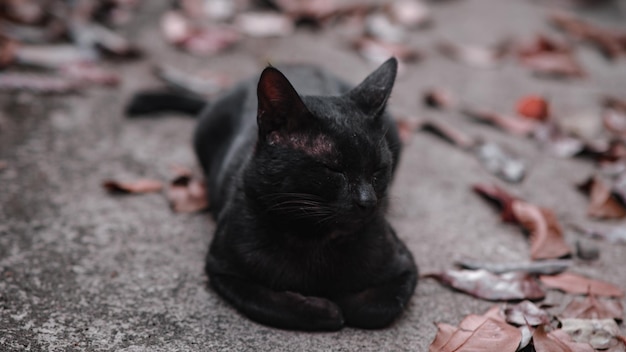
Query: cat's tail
(150, 102)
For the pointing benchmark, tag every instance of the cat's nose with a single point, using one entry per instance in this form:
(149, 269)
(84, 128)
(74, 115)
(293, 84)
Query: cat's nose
(365, 197)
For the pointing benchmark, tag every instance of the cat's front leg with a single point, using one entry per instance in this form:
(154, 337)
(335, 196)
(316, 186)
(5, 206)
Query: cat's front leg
(377, 307)
(282, 309)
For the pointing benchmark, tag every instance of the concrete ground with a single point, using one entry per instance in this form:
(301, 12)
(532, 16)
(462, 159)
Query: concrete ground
(84, 270)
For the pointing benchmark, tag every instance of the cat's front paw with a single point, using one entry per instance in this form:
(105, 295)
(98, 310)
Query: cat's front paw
(316, 313)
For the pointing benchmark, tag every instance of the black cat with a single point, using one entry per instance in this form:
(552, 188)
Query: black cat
(298, 185)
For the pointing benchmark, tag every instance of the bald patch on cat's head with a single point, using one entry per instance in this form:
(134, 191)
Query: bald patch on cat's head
(316, 146)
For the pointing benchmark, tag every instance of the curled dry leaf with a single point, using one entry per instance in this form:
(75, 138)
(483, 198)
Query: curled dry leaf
(438, 98)
(319, 11)
(546, 267)
(601, 334)
(187, 194)
(533, 107)
(198, 39)
(500, 198)
(574, 283)
(500, 162)
(609, 42)
(603, 203)
(90, 72)
(557, 341)
(526, 313)
(448, 133)
(546, 234)
(489, 286)
(591, 307)
(548, 57)
(512, 125)
(488, 332)
(138, 186)
(614, 116)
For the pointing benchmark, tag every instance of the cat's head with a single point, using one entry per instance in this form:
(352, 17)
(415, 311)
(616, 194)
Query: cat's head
(322, 161)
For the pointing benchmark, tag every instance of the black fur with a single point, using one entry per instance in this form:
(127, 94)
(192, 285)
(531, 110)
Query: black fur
(298, 182)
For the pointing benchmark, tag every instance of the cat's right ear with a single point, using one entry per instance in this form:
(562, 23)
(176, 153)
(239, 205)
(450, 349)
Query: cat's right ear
(280, 108)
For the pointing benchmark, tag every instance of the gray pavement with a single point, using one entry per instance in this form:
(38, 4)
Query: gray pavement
(83, 270)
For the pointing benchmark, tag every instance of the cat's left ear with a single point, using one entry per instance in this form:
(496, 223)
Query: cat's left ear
(372, 94)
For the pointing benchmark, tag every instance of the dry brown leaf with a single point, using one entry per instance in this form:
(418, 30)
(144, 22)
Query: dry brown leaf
(448, 133)
(499, 197)
(557, 341)
(138, 186)
(546, 234)
(489, 286)
(526, 313)
(488, 332)
(574, 283)
(512, 125)
(603, 204)
(609, 42)
(409, 13)
(593, 308)
(187, 194)
(37, 83)
(533, 107)
(438, 98)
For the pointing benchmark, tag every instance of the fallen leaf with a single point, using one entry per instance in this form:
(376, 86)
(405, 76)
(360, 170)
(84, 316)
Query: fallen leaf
(574, 283)
(90, 72)
(264, 24)
(614, 116)
(319, 11)
(591, 307)
(438, 98)
(557, 341)
(603, 204)
(512, 125)
(489, 286)
(547, 267)
(500, 198)
(601, 334)
(500, 162)
(533, 107)
(614, 103)
(187, 194)
(542, 44)
(546, 234)
(448, 133)
(196, 38)
(526, 313)
(609, 42)
(477, 333)
(138, 186)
